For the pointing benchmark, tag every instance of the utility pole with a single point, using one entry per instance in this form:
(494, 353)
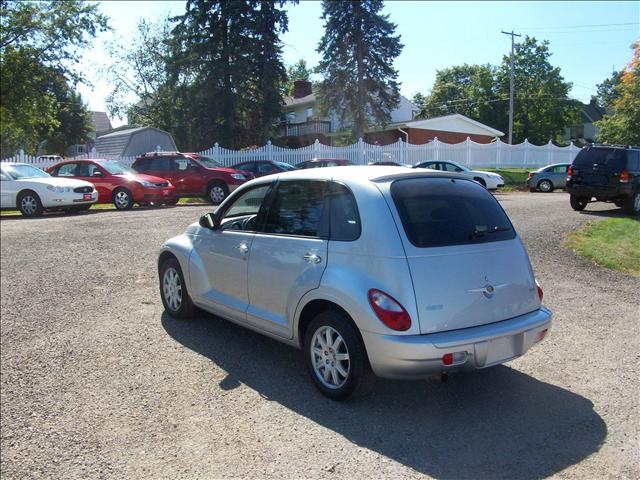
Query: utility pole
(511, 86)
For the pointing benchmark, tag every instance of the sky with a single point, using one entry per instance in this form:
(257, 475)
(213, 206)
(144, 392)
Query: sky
(588, 40)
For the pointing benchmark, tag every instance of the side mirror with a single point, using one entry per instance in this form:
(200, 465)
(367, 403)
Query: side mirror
(209, 220)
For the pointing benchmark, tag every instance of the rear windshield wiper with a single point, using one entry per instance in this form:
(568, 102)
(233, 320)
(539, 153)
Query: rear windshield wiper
(482, 233)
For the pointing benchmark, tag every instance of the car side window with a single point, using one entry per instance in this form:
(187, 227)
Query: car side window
(298, 209)
(67, 170)
(181, 164)
(142, 165)
(243, 213)
(266, 168)
(449, 167)
(633, 160)
(560, 169)
(94, 170)
(248, 167)
(345, 220)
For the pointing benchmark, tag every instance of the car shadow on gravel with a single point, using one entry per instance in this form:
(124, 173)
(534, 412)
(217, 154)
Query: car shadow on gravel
(614, 212)
(494, 423)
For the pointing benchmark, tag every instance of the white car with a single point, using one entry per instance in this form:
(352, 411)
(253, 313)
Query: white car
(32, 190)
(489, 180)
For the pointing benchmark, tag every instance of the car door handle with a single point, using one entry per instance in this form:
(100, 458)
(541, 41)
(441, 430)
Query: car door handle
(243, 248)
(311, 257)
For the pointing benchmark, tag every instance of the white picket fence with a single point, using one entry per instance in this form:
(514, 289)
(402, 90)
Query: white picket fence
(469, 153)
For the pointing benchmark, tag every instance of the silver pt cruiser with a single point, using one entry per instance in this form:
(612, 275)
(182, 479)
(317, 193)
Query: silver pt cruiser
(369, 270)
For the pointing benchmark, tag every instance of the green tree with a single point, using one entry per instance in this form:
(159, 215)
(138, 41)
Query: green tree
(607, 91)
(226, 71)
(39, 46)
(469, 90)
(358, 49)
(138, 75)
(623, 126)
(542, 105)
(418, 99)
(297, 71)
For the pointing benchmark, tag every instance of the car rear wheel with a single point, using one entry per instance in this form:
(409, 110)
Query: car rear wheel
(173, 290)
(578, 203)
(632, 205)
(122, 199)
(336, 357)
(29, 204)
(545, 186)
(217, 192)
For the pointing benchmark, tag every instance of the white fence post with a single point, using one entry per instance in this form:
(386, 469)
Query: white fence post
(549, 151)
(362, 152)
(498, 152)
(436, 148)
(269, 150)
(467, 157)
(316, 148)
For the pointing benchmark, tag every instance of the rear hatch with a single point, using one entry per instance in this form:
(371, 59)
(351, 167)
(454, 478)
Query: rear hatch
(468, 266)
(598, 167)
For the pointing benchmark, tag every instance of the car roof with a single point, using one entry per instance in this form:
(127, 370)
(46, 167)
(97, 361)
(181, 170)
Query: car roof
(361, 174)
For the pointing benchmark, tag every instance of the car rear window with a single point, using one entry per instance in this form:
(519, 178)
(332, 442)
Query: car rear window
(438, 212)
(611, 157)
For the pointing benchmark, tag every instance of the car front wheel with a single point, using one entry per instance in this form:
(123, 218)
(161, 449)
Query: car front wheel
(29, 204)
(578, 203)
(336, 357)
(173, 290)
(122, 199)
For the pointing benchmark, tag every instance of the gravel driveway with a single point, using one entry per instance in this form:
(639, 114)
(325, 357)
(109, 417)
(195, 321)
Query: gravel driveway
(98, 382)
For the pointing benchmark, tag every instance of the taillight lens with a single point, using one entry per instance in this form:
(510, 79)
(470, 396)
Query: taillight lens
(540, 293)
(624, 177)
(389, 310)
(570, 171)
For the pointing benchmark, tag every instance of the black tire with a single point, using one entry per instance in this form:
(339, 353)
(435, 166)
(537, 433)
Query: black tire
(217, 192)
(578, 203)
(360, 378)
(632, 205)
(185, 308)
(29, 204)
(545, 186)
(481, 181)
(122, 199)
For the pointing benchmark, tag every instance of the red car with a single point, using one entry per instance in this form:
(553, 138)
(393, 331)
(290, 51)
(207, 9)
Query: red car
(116, 183)
(193, 175)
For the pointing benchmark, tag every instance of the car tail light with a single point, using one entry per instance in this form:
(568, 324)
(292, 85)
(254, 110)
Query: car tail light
(389, 311)
(624, 177)
(570, 171)
(540, 292)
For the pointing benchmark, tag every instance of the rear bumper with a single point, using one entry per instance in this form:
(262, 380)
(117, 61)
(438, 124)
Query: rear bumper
(622, 190)
(419, 356)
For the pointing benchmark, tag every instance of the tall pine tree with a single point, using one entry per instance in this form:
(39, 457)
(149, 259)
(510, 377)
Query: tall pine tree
(227, 60)
(358, 49)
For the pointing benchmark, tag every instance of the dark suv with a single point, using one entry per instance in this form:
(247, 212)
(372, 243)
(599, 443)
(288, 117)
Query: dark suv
(609, 173)
(192, 175)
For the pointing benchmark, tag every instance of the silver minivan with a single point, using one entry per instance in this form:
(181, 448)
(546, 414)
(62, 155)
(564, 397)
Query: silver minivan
(369, 270)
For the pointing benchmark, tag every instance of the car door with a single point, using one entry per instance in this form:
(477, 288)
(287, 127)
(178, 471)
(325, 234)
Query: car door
(223, 254)
(288, 254)
(187, 177)
(559, 176)
(7, 191)
(100, 178)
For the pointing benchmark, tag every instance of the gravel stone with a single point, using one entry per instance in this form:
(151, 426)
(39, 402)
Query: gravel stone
(98, 382)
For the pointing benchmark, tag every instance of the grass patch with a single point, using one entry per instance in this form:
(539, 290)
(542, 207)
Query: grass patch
(514, 178)
(611, 243)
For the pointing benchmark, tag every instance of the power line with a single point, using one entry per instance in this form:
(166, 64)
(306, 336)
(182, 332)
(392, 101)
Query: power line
(581, 26)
